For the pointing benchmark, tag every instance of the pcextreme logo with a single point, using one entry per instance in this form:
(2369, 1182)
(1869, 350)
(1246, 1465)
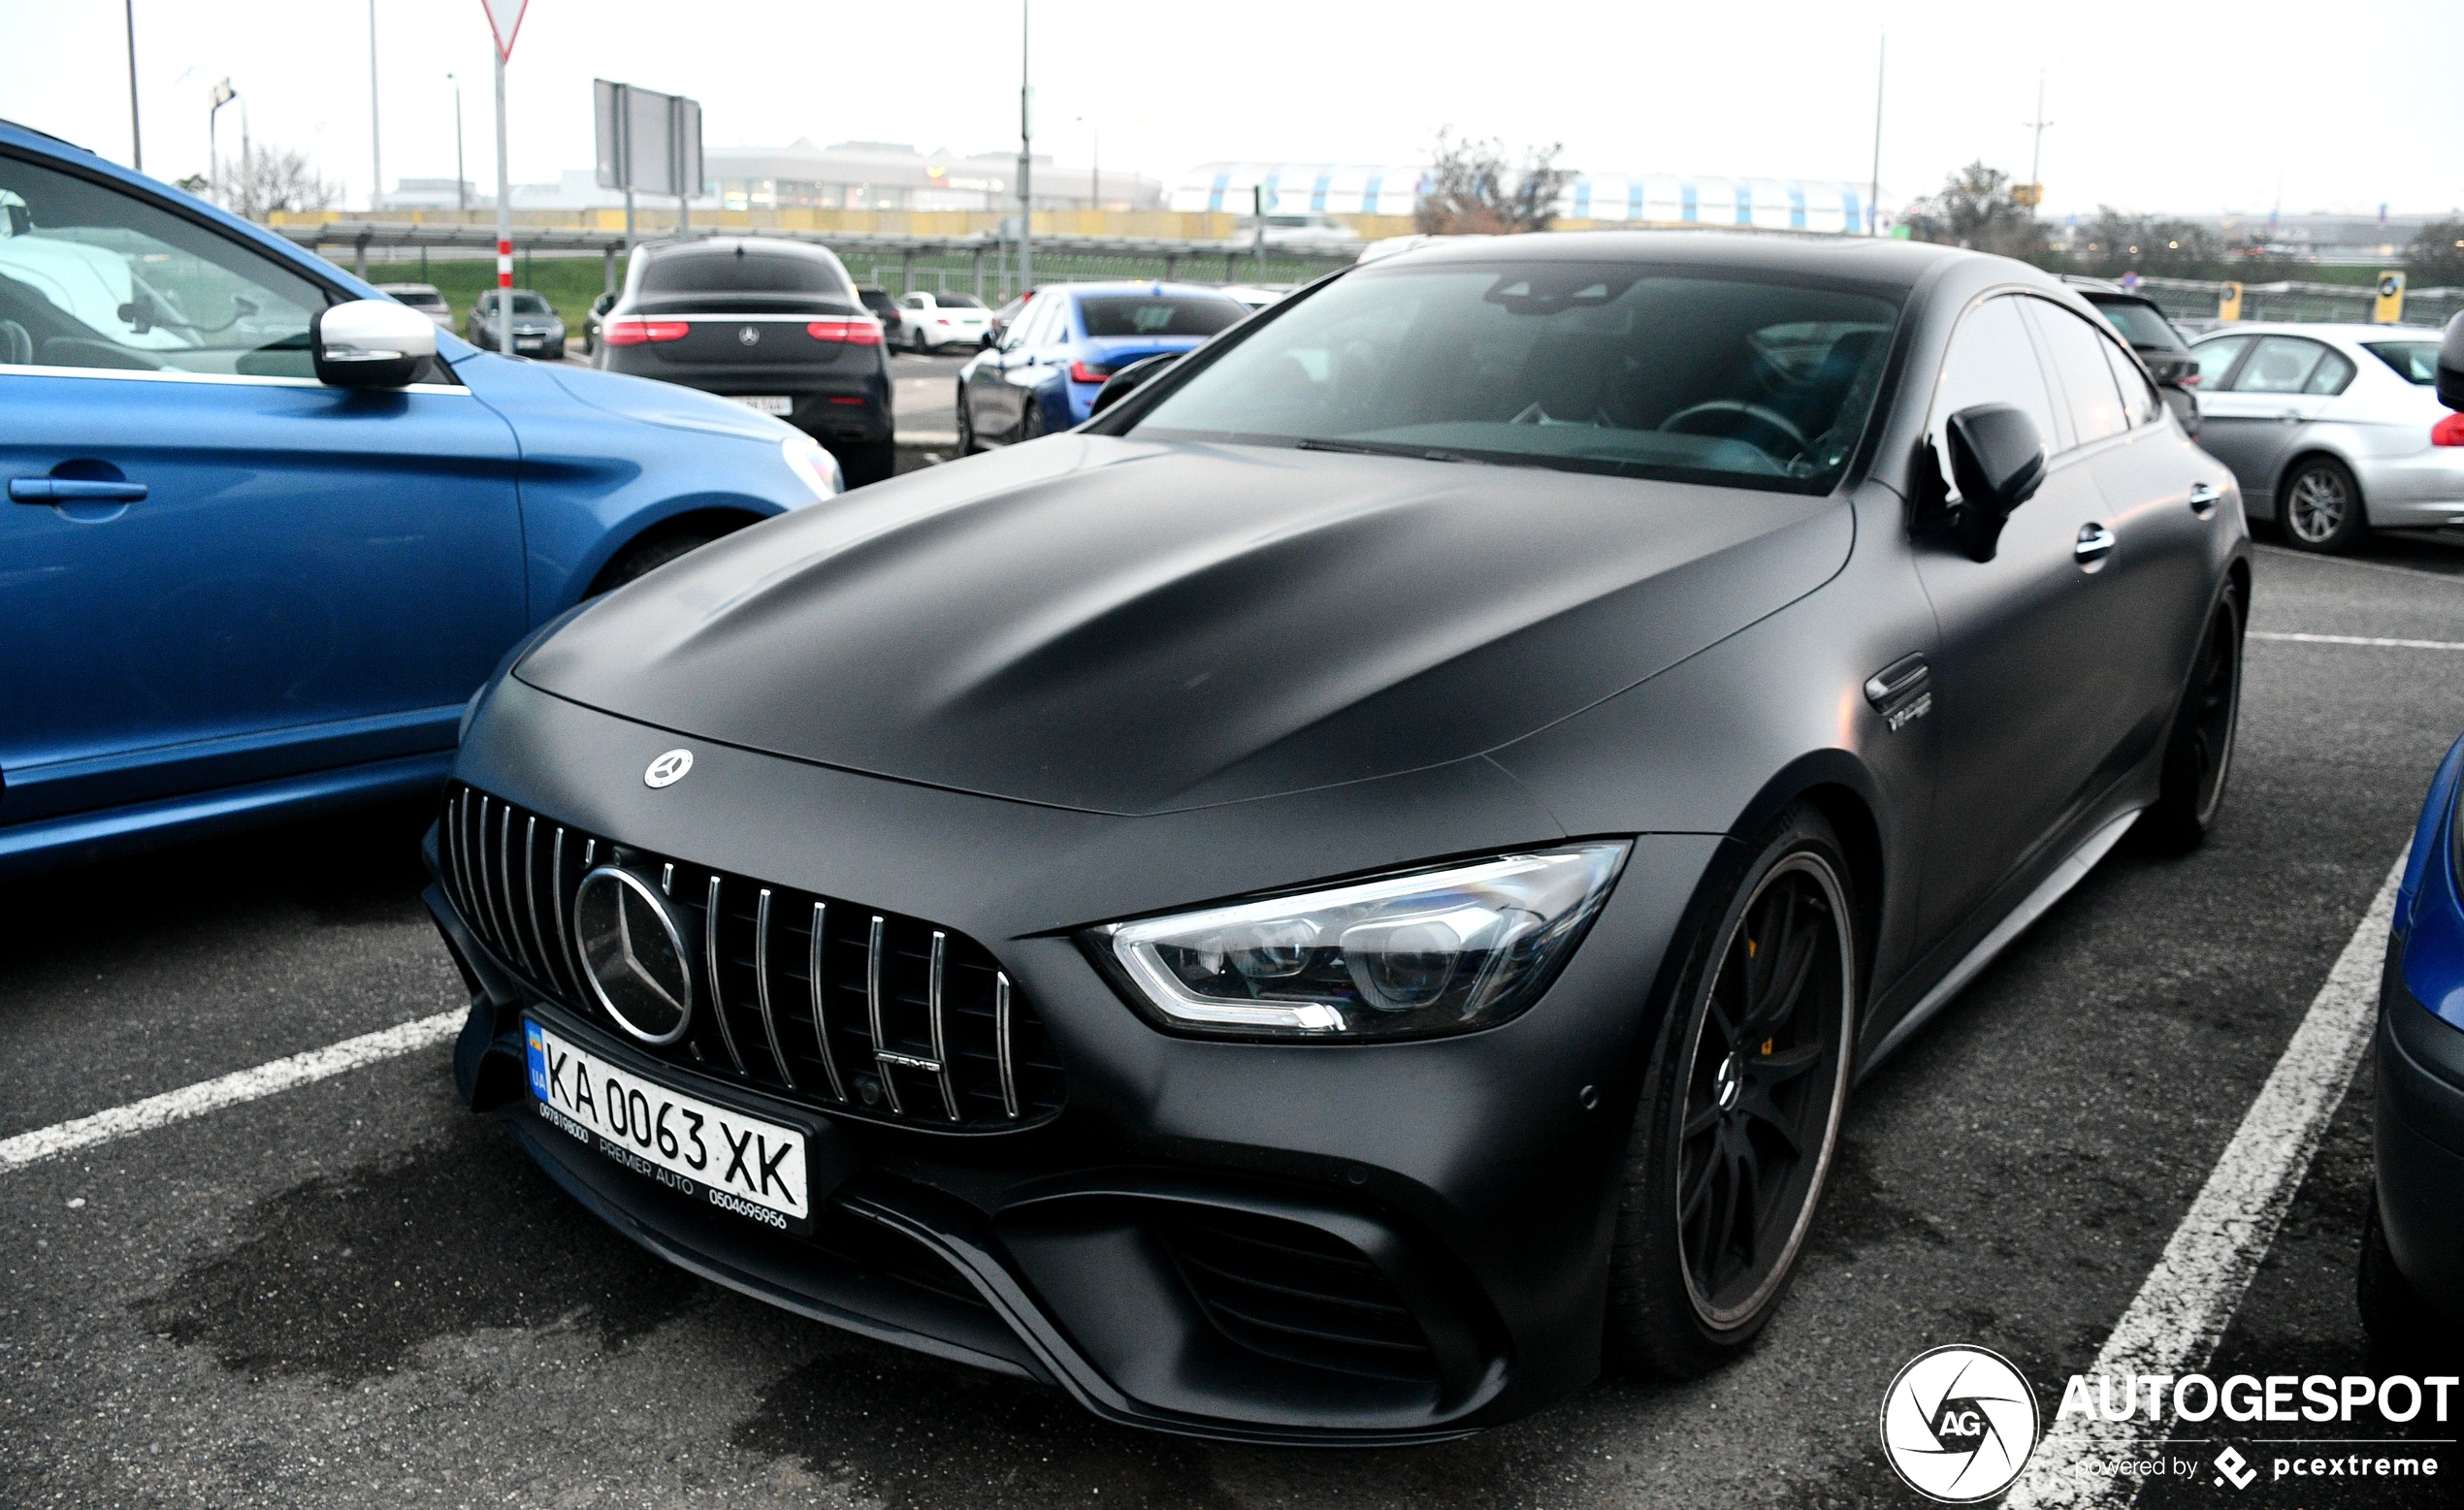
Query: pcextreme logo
(1958, 1424)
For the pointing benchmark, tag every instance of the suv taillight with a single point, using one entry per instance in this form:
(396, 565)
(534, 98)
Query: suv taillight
(854, 332)
(635, 332)
(2449, 431)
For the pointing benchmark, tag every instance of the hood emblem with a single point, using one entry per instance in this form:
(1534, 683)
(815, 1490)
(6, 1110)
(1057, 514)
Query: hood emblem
(667, 770)
(633, 955)
(750, 335)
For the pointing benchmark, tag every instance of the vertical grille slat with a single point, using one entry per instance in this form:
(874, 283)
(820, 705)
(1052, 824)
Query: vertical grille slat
(762, 985)
(814, 978)
(916, 999)
(710, 918)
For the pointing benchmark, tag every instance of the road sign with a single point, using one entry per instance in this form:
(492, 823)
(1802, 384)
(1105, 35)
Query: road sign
(2029, 194)
(505, 18)
(649, 143)
(2229, 307)
(2389, 308)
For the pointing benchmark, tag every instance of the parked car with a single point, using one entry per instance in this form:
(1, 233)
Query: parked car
(2333, 429)
(1252, 295)
(1004, 317)
(1297, 935)
(883, 305)
(1045, 375)
(2142, 324)
(232, 587)
(931, 320)
(775, 326)
(537, 331)
(424, 298)
(594, 321)
(1309, 231)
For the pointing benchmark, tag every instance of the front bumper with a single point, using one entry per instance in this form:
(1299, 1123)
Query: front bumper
(2418, 1140)
(1462, 1183)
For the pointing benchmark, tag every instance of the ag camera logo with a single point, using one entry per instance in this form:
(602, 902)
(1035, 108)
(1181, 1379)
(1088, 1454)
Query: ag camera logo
(1958, 1424)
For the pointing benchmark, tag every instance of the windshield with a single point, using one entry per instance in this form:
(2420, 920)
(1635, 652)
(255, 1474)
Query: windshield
(1589, 366)
(957, 301)
(1157, 314)
(2414, 361)
(2138, 324)
(741, 272)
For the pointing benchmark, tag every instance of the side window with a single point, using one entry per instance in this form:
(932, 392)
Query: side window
(2331, 375)
(2140, 401)
(1056, 324)
(1028, 327)
(2216, 359)
(912, 302)
(92, 276)
(2079, 366)
(1990, 361)
(2281, 363)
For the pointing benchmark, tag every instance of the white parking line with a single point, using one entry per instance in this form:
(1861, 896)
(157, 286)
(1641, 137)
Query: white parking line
(2182, 1309)
(2351, 639)
(265, 1080)
(2366, 565)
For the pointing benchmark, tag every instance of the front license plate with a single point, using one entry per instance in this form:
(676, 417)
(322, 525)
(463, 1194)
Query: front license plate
(749, 1166)
(768, 403)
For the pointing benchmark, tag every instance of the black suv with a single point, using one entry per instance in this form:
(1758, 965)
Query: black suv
(2141, 323)
(774, 325)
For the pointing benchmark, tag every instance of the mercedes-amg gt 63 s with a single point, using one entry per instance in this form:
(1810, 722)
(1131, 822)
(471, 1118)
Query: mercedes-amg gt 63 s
(1346, 896)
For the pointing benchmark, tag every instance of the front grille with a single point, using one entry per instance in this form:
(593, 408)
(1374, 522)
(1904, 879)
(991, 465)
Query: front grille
(816, 1000)
(1296, 1294)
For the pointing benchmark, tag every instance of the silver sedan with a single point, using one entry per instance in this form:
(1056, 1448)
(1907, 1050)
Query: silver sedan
(2333, 429)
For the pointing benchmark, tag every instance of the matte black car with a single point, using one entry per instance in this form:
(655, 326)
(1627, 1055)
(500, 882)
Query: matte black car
(2141, 322)
(1348, 893)
(775, 325)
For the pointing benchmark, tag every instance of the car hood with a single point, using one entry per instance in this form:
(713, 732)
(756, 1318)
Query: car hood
(667, 403)
(1130, 626)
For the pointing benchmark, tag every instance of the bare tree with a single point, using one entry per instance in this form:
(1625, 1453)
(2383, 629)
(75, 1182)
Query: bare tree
(1472, 191)
(268, 178)
(2113, 244)
(1975, 208)
(2435, 257)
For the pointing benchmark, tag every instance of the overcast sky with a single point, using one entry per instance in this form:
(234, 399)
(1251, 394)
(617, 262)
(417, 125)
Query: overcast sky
(2155, 106)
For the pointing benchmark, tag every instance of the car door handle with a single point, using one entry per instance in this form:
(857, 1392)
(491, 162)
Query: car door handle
(73, 490)
(1901, 690)
(2095, 544)
(2291, 416)
(2203, 499)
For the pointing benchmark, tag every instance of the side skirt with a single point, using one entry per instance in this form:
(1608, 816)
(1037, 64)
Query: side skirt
(2053, 889)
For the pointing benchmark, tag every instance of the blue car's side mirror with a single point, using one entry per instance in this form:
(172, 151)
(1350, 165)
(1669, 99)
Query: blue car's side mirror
(370, 343)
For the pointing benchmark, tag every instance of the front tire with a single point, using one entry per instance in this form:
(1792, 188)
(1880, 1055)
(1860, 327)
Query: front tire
(1741, 1109)
(867, 462)
(968, 445)
(2322, 507)
(2198, 757)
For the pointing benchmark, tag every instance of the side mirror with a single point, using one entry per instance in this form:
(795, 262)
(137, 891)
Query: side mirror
(1998, 460)
(1119, 385)
(603, 303)
(2451, 365)
(370, 343)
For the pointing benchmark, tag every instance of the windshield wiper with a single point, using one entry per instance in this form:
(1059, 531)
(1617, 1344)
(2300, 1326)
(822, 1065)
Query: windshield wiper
(1381, 448)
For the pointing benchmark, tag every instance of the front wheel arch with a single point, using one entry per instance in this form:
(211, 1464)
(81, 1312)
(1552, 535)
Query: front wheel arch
(2317, 453)
(707, 523)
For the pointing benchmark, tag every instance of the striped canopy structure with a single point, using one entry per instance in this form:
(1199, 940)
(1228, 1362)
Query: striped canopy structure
(1661, 199)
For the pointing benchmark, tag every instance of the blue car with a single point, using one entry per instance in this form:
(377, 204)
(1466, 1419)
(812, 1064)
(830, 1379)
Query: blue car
(2412, 1278)
(262, 541)
(1054, 356)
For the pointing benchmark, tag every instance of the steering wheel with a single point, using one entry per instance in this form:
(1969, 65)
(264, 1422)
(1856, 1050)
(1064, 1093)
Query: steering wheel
(1753, 413)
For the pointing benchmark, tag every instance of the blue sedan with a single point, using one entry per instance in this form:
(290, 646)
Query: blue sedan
(1054, 356)
(255, 559)
(2413, 1253)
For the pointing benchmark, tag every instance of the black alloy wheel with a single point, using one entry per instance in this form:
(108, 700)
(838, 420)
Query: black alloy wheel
(968, 445)
(1742, 1113)
(2198, 757)
(2320, 507)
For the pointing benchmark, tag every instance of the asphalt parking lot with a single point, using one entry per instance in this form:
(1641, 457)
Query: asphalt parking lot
(352, 1291)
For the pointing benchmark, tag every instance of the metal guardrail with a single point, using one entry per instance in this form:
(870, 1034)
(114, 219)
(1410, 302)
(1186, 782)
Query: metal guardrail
(2197, 300)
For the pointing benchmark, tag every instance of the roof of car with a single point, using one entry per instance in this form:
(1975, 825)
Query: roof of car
(2347, 330)
(1137, 286)
(1880, 259)
(730, 247)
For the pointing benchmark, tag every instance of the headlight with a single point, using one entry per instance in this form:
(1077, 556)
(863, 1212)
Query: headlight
(1408, 957)
(813, 466)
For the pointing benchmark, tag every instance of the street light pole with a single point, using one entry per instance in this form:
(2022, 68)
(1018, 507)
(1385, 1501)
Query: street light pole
(136, 137)
(1026, 163)
(222, 95)
(504, 223)
(376, 139)
(460, 181)
(2036, 159)
(1873, 185)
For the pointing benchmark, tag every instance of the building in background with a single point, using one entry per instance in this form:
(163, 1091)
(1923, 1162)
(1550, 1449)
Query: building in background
(1394, 189)
(894, 175)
